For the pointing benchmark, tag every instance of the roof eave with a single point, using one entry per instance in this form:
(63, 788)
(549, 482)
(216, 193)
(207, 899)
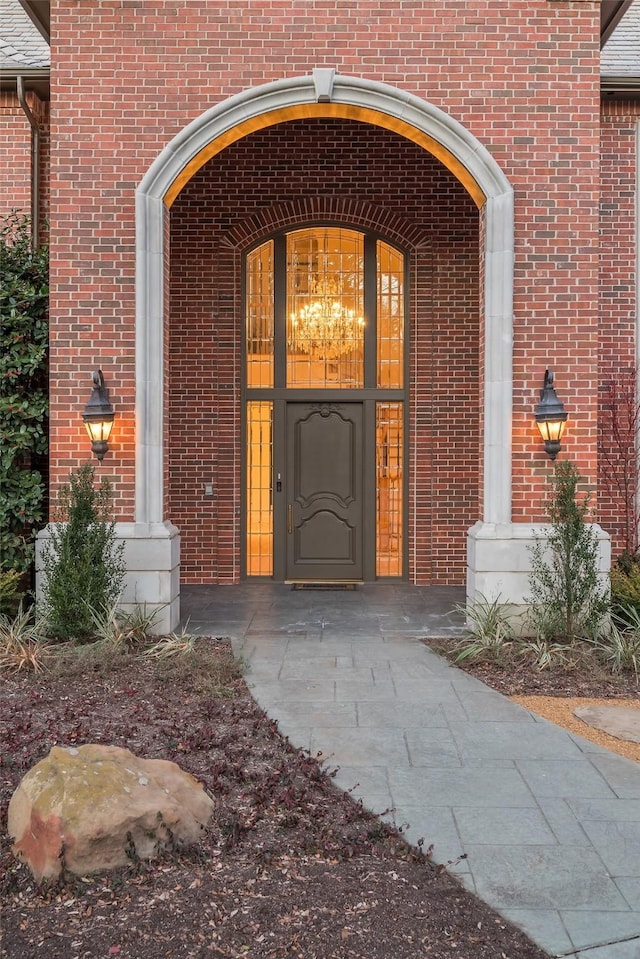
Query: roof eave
(611, 13)
(27, 73)
(34, 78)
(621, 87)
(39, 12)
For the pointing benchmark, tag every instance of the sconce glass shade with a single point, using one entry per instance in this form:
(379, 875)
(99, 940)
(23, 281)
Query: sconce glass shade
(551, 417)
(98, 416)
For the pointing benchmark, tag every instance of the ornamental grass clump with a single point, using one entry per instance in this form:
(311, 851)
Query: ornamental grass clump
(491, 633)
(122, 631)
(82, 563)
(619, 647)
(22, 644)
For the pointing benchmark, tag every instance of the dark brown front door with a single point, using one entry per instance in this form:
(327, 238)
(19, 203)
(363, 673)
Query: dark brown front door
(324, 486)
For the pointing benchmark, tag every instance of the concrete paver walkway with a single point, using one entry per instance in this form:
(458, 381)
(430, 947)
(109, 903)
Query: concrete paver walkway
(550, 823)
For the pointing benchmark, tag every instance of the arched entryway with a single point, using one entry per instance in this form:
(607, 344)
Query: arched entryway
(323, 94)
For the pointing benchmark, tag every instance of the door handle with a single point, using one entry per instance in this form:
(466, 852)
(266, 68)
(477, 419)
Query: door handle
(290, 518)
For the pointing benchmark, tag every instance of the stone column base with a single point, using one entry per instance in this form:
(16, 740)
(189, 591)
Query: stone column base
(152, 558)
(499, 561)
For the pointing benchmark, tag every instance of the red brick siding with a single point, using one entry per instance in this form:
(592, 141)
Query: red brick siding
(15, 148)
(618, 278)
(15, 156)
(522, 77)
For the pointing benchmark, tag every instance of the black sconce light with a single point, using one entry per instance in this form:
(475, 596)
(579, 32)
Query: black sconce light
(98, 416)
(551, 416)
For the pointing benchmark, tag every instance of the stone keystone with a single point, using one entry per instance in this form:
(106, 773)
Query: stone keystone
(96, 807)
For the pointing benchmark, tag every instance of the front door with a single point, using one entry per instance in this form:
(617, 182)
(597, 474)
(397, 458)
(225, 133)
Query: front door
(324, 491)
(325, 407)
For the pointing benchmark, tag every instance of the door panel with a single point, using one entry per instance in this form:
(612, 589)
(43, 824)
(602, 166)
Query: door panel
(324, 491)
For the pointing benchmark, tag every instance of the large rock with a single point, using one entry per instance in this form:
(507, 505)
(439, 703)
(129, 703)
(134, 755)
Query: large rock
(95, 807)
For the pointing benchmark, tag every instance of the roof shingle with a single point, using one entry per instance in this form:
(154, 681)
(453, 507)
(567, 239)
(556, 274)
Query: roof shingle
(621, 53)
(21, 44)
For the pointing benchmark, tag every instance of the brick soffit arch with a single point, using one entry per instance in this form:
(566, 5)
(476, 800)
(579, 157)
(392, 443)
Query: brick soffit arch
(325, 94)
(311, 210)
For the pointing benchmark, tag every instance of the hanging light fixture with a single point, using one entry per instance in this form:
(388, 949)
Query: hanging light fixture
(551, 416)
(98, 416)
(324, 327)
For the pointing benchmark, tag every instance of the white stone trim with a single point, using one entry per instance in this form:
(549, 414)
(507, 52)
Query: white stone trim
(499, 560)
(152, 579)
(323, 79)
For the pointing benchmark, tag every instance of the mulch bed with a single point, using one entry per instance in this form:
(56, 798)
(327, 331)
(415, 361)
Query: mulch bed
(585, 677)
(290, 867)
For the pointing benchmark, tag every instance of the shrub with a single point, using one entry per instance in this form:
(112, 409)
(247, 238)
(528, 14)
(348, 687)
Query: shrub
(625, 583)
(10, 592)
(82, 563)
(568, 601)
(24, 297)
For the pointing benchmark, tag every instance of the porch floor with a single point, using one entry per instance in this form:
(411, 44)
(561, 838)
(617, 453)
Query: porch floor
(549, 822)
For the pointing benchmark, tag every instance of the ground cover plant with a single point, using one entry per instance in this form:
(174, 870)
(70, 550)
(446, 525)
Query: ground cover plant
(586, 672)
(291, 867)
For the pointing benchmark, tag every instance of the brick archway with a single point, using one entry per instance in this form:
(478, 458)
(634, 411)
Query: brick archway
(376, 103)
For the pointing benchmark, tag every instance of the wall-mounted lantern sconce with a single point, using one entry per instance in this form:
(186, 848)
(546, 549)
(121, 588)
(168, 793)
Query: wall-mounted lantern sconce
(551, 416)
(98, 416)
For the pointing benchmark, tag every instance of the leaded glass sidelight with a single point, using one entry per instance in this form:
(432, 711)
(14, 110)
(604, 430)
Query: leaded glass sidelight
(259, 312)
(325, 309)
(389, 488)
(390, 316)
(259, 499)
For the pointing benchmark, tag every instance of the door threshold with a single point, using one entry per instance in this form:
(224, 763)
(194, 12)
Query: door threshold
(324, 583)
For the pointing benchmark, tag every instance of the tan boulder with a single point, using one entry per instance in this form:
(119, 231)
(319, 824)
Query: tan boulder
(95, 807)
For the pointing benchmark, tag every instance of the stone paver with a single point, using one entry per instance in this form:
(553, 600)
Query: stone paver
(549, 823)
(623, 722)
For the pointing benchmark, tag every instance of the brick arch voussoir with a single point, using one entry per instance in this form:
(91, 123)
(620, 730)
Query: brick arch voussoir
(357, 213)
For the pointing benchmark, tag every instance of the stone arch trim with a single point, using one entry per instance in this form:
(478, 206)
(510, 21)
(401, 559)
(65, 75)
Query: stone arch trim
(353, 98)
(344, 111)
(356, 213)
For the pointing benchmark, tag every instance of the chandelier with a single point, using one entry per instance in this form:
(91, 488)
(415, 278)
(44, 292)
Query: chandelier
(323, 326)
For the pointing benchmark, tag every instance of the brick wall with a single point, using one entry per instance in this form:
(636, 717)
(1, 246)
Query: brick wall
(522, 77)
(15, 156)
(15, 147)
(618, 296)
